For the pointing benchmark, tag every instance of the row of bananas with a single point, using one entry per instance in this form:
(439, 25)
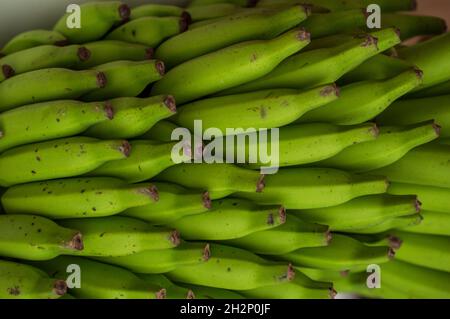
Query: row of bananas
(88, 180)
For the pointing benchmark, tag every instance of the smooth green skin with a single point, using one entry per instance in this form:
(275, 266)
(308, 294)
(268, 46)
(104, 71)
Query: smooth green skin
(161, 131)
(361, 212)
(174, 202)
(19, 281)
(290, 236)
(126, 78)
(101, 281)
(234, 65)
(49, 160)
(229, 219)
(46, 85)
(434, 223)
(259, 110)
(155, 10)
(30, 39)
(150, 31)
(425, 165)
(432, 198)
(389, 224)
(362, 101)
(233, 268)
(212, 11)
(114, 236)
(308, 143)
(307, 188)
(431, 57)
(405, 112)
(413, 25)
(162, 261)
(393, 143)
(220, 180)
(436, 90)
(343, 253)
(330, 41)
(49, 120)
(36, 238)
(76, 197)
(132, 117)
(172, 291)
(97, 18)
(147, 160)
(43, 57)
(236, 28)
(203, 292)
(424, 250)
(318, 67)
(242, 3)
(379, 67)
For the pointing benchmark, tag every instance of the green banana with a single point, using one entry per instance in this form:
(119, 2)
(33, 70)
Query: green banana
(196, 78)
(393, 143)
(290, 236)
(150, 31)
(259, 110)
(413, 25)
(162, 261)
(19, 281)
(242, 3)
(362, 212)
(362, 101)
(229, 219)
(233, 268)
(172, 290)
(77, 197)
(174, 202)
(318, 67)
(392, 223)
(50, 120)
(48, 84)
(404, 112)
(49, 160)
(343, 253)
(161, 131)
(97, 18)
(212, 11)
(36, 238)
(120, 236)
(132, 116)
(220, 180)
(425, 165)
(34, 38)
(434, 223)
(101, 281)
(126, 78)
(436, 90)
(239, 27)
(307, 188)
(156, 10)
(203, 292)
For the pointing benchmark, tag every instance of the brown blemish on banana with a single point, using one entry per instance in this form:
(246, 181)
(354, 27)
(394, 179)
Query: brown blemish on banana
(260, 184)
(263, 111)
(101, 80)
(206, 253)
(152, 191)
(175, 238)
(14, 291)
(171, 104)
(84, 54)
(270, 220)
(282, 214)
(60, 287)
(8, 71)
(109, 110)
(370, 40)
(206, 199)
(344, 273)
(161, 294)
(290, 273)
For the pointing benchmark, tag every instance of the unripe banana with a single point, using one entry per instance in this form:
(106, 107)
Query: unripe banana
(48, 84)
(393, 143)
(436, 90)
(362, 101)
(58, 159)
(77, 197)
(155, 10)
(50, 120)
(150, 31)
(34, 38)
(161, 131)
(19, 281)
(162, 261)
(258, 110)
(392, 223)
(242, 26)
(290, 236)
(413, 25)
(212, 11)
(101, 281)
(120, 236)
(234, 65)
(235, 269)
(318, 67)
(220, 180)
(229, 219)
(362, 212)
(133, 116)
(203, 292)
(404, 112)
(343, 253)
(434, 223)
(242, 3)
(126, 78)
(172, 291)
(307, 188)
(36, 238)
(174, 202)
(97, 18)
(425, 165)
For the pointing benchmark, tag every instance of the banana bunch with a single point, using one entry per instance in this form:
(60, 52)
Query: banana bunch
(94, 204)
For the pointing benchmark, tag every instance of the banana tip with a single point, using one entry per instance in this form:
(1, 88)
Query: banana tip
(60, 287)
(149, 53)
(391, 253)
(190, 294)
(375, 130)
(290, 273)
(161, 294)
(186, 17)
(124, 12)
(419, 73)
(303, 35)
(152, 191)
(109, 110)
(270, 220)
(260, 185)
(84, 54)
(61, 43)
(395, 242)
(282, 214)
(169, 101)
(307, 8)
(8, 71)
(76, 242)
(417, 205)
(125, 148)
(328, 237)
(101, 80)
(437, 128)
(206, 252)
(175, 238)
(160, 67)
(206, 199)
(184, 23)
(330, 89)
(332, 292)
